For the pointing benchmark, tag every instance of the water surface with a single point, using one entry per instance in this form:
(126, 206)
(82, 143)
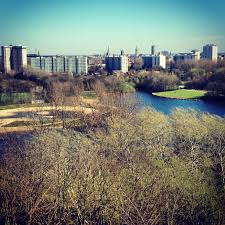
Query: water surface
(167, 105)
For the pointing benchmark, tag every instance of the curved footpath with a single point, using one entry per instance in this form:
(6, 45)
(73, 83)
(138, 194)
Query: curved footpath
(33, 113)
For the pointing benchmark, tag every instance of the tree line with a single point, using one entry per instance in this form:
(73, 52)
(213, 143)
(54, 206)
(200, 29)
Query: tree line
(203, 75)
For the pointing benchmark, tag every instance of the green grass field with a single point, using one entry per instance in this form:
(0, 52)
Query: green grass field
(14, 98)
(181, 94)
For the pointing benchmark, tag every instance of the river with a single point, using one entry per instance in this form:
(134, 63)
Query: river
(167, 105)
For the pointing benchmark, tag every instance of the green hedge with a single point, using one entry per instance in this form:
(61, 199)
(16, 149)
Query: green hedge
(15, 98)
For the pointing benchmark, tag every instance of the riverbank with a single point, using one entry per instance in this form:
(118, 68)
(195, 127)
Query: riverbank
(182, 94)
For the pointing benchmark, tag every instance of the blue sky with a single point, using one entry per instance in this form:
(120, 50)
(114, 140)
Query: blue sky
(89, 26)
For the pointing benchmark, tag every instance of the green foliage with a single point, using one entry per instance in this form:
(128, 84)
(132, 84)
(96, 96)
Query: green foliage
(117, 84)
(125, 87)
(197, 72)
(154, 82)
(204, 74)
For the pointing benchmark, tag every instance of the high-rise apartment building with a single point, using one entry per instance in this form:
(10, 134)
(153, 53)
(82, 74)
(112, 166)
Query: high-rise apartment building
(6, 56)
(151, 61)
(70, 64)
(34, 61)
(18, 57)
(136, 52)
(81, 65)
(210, 51)
(117, 63)
(14, 58)
(196, 54)
(46, 63)
(153, 50)
(59, 64)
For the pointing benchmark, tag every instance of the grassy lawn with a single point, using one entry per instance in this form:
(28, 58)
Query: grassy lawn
(181, 94)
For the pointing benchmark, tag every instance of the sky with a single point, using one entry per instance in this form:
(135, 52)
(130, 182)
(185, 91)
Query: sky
(90, 26)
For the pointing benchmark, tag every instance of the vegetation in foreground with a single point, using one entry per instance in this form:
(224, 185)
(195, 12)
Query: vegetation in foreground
(182, 94)
(115, 165)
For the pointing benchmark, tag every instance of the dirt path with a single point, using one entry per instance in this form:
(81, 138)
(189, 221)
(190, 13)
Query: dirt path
(8, 116)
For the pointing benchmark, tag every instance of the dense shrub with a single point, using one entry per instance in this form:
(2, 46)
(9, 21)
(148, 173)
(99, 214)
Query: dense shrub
(139, 168)
(155, 82)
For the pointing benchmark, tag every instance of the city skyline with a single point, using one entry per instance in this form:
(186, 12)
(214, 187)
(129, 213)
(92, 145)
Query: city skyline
(89, 27)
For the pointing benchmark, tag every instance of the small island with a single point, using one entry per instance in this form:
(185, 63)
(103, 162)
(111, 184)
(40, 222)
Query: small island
(182, 94)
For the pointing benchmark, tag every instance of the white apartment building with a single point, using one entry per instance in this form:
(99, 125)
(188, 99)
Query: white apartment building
(14, 58)
(46, 63)
(196, 54)
(34, 62)
(151, 61)
(210, 52)
(6, 62)
(116, 63)
(70, 64)
(59, 64)
(81, 65)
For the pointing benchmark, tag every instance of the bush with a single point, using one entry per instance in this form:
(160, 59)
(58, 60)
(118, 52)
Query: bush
(158, 82)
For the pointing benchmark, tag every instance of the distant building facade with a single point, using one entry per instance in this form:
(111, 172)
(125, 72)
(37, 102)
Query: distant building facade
(34, 62)
(59, 64)
(46, 63)
(183, 57)
(116, 63)
(18, 57)
(81, 65)
(13, 58)
(6, 62)
(196, 55)
(136, 52)
(151, 61)
(192, 56)
(153, 50)
(210, 52)
(70, 64)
